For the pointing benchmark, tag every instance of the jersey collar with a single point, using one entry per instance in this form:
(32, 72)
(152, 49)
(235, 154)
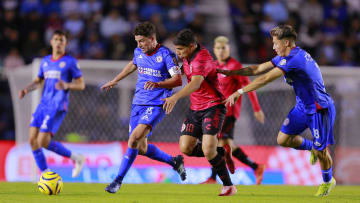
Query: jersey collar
(194, 53)
(154, 51)
(54, 60)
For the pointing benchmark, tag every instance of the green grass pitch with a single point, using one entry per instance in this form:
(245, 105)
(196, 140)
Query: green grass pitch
(172, 193)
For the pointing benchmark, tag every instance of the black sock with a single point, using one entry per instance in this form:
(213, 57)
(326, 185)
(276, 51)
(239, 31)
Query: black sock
(197, 151)
(213, 173)
(218, 163)
(241, 156)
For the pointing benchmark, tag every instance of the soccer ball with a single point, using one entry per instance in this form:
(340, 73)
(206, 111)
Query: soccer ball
(50, 183)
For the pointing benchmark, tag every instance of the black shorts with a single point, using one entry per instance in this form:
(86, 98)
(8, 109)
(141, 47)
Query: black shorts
(208, 121)
(227, 131)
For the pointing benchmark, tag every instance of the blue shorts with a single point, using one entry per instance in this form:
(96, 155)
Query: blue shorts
(47, 119)
(320, 124)
(144, 114)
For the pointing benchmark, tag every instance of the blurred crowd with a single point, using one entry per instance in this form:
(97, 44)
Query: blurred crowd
(96, 29)
(328, 29)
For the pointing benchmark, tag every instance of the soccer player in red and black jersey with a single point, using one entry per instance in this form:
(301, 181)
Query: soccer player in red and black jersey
(206, 115)
(228, 85)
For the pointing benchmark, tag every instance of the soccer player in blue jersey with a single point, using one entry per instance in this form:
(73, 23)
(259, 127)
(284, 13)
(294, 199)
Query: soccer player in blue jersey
(59, 73)
(158, 73)
(314, 107)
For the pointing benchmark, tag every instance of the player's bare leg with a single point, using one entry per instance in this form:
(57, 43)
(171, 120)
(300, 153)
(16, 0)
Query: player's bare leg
(326, 167)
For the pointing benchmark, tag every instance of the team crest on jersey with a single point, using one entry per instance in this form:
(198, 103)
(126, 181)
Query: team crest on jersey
(159, 59)
(62, 64)
(140, 57)
(282, 62)
(45, 64)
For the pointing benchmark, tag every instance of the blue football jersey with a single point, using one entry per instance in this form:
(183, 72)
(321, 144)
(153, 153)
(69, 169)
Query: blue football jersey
(303, 74)
(64, 68)
(155, 67)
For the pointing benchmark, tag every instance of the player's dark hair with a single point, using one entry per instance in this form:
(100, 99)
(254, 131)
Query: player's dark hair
(185, 37)
(284, 32)
(60, 32)
(145, 29)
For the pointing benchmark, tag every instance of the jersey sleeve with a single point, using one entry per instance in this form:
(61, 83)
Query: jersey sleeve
(283, 63)
(41, 69)
(75, 69)
(134, 58)
(172, 64)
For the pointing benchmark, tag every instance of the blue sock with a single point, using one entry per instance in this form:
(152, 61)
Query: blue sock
(58, 148)
(327, 174)
(128, 159)
(155, 153)
(305, 145)
(40, 159)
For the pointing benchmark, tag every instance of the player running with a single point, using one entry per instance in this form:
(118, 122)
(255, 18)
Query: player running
(158, 73)
(227, 85)
(314, 107)
(59, 73)
(206, 114)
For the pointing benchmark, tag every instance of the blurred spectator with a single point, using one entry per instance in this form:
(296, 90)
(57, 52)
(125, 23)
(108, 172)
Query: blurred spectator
(89, 7)
(69, 6)
(113, 24)
(74, 25)
(310, 37)
(276, 10)
(161, 30)
(335, 9)
(32, 46)
(28, 6)
(50, 6)
(353, 6)
(189, 10)
(10, 4)
(116, 48)
(93, 47)
(312, 11)
(53, 23)
(13, 60)
(174, 20)
(149, 8)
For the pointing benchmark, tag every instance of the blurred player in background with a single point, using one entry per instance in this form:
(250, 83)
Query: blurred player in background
(158, 73)
(314, 107)
(229, 84)
(59, 73)
(207, 113)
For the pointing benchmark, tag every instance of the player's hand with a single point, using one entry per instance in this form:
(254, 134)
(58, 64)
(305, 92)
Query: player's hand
(149, 85)
(231, 100)
(108, 85)
(61, 85)
(22, 93)
(169, 104)
(224, 72)
(259, 116)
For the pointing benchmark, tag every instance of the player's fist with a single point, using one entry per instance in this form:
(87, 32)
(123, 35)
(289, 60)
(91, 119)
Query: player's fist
(61, 85)
(22, 93)
(231, 100)
(225, 72)
(108, 85)
(151, 85)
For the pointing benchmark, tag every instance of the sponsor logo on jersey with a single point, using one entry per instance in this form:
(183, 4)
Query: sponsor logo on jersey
(52, 74)
(149, 71)
(140, 57)
(317, 144)
(62, 64)
(282, 62)
(159, 59)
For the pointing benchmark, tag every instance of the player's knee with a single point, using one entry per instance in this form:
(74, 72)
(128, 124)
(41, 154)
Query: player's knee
(42, 142)
(281, 141)
(322, 155)
(33, 141)
(186, 149)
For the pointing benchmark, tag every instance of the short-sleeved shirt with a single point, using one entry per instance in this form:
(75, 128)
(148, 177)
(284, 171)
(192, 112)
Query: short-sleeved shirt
(303, 74)
(208, 95)
(158, 66)
(65, 68)
(229, 84)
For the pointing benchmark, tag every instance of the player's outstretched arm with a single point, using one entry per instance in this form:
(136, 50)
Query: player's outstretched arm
(129, 68)
(255, 84)
(170, 83)
(32, 86)
(187, 90)
(250, 70)
(76, 84)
